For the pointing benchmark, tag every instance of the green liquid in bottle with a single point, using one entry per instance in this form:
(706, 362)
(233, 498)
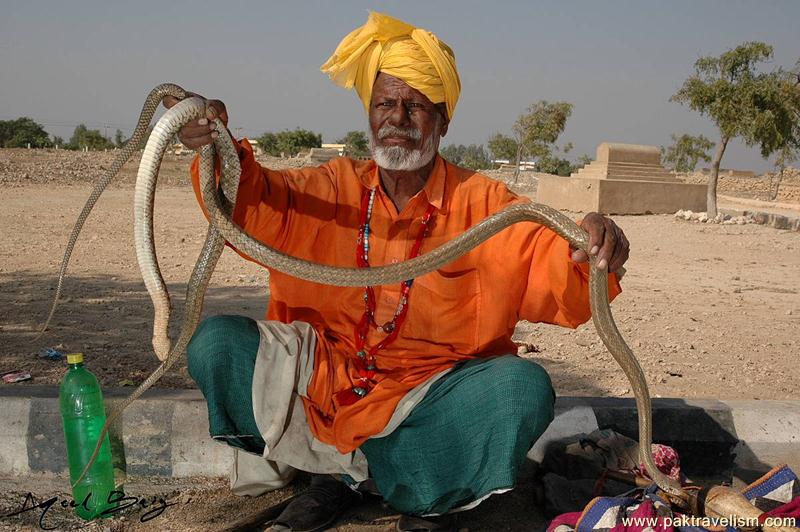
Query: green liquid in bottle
(83, 415)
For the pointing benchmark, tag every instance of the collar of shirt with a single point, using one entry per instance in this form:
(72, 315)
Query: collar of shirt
(433, 189)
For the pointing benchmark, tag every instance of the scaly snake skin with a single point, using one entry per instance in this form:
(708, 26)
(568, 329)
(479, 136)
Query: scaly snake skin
(222, 228)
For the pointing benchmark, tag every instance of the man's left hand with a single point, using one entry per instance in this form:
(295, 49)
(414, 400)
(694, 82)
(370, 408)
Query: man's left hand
(606, 241)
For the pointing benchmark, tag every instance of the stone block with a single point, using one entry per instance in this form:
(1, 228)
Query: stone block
(625, 179)
(47, 449)
(147, 433)
(620, 196)
(194, 452)
(14, 457)
(781, 222)
(628, 153)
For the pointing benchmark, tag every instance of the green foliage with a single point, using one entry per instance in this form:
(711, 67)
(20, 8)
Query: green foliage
(92, 139)
(473, 156)
(761, 108)
(119, 139)
(21, 132)
(502, 147)
(538, 128)
(356, 143)
(293, 142)
(555, 165)
(686, 151)
(289, 143)
(583, 160)
(552, 163)
(269, 143)
(786, 156)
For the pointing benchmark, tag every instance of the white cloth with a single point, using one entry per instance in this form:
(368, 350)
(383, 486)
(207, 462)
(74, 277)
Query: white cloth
(283, 369)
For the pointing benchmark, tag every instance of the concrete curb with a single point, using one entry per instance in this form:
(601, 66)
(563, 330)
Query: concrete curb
(778, 221)
(759, 203)
(773, 214)
(165, 433)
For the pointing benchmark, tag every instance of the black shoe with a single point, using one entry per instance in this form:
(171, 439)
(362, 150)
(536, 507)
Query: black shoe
(317, 507)
(439, 523)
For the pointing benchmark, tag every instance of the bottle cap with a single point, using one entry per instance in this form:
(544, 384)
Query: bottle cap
(74, 358)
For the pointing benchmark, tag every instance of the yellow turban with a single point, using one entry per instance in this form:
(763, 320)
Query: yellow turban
(413, 55)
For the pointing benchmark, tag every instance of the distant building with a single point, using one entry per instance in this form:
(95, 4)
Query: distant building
(505, 164)
(340, 148)
(256, 147)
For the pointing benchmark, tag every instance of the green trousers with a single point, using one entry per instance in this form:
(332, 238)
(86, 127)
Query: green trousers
(464, 441)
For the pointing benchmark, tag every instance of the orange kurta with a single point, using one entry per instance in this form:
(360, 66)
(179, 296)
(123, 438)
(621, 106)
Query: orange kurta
(467, 309)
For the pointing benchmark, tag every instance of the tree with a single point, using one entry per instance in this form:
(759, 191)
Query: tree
(583, 160)
(502, 147)
(21, 132)
(686, 151)
(786, 156)
(552, 163)
(476, 157)
(538, 129)
(291, 143)
(452, 152)
(760, 108)
(269, 143)
(555, 165)
(473, 156)
(356, 143)
(92, 139)
(119, 139)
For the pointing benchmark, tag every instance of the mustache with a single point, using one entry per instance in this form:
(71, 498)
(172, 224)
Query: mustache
(392, 131)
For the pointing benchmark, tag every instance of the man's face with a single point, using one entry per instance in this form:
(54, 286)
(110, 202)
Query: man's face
(405, 126)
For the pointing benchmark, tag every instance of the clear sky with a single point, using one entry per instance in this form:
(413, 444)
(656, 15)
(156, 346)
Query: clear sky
(618, 62)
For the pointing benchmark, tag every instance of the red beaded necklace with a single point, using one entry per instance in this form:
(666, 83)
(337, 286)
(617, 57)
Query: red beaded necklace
(365, 356)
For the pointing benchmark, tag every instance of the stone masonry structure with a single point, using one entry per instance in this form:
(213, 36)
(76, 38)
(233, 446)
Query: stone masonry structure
(624, 179)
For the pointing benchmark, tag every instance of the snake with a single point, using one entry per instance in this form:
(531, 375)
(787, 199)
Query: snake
(219, 199)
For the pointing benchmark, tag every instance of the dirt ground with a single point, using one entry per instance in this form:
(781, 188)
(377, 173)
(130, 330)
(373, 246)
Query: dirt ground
(710, 310)
(206, 504)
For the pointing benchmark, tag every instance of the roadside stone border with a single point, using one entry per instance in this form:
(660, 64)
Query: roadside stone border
(778, 221)
(165, 433)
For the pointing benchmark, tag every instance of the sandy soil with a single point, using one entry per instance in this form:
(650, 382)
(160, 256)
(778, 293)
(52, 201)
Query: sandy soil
(206, 504)
(710, 310)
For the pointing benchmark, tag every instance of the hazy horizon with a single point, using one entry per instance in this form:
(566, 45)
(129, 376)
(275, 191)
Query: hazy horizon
(618, 62)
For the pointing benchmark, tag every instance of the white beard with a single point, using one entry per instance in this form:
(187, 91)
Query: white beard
(398, 157)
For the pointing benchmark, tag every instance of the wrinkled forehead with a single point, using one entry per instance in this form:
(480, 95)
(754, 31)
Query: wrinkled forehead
(389, 86)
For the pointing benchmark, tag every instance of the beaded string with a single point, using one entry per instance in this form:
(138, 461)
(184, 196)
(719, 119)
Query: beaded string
(365, 362)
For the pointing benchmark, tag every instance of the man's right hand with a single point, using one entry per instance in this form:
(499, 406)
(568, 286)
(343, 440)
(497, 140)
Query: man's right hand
(197, 133)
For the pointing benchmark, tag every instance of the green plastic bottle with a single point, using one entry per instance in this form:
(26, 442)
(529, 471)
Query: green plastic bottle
(83, 415)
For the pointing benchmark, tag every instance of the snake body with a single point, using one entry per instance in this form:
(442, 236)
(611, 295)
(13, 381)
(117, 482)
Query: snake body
(222, 228)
